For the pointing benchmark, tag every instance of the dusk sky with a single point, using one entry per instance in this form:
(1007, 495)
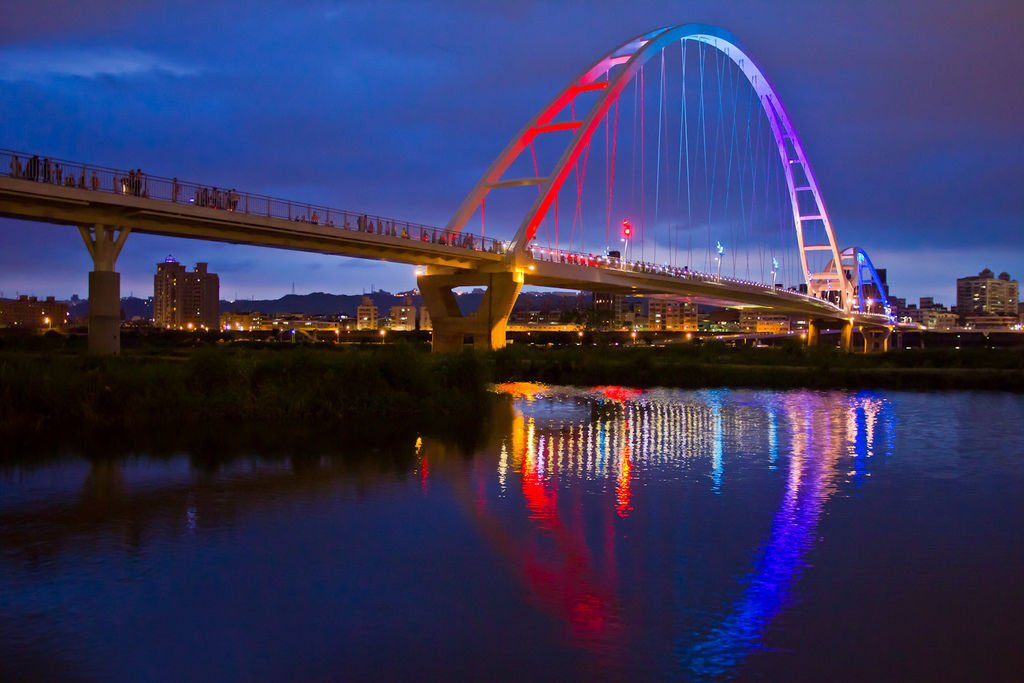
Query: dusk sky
(911, 112)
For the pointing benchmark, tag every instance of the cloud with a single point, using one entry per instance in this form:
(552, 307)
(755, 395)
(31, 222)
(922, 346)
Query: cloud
(909, 112)
(40, 64)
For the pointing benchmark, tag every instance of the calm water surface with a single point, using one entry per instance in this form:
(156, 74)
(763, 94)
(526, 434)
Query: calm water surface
(600, 534)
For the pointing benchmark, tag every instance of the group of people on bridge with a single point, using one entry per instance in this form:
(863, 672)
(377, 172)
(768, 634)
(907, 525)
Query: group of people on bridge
(209, 197)
(47, 171)
(136, 183)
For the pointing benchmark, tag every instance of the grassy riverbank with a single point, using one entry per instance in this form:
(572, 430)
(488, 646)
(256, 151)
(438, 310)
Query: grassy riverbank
(715, 365)
(320, 395)
(332, 392)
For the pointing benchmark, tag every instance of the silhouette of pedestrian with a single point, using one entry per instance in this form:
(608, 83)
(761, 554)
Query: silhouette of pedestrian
(15, 167)
(47, 170)
(95, 181)
(175, 189)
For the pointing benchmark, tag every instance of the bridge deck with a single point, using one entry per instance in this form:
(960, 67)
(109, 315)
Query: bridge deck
(335, 233)
(82, 194)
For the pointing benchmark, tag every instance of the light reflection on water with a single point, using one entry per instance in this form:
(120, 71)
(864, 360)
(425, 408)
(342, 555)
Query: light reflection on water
(606, 532)
(665, 431)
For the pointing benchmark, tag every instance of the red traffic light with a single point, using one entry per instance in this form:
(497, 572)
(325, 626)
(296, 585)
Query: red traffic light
(627, 229)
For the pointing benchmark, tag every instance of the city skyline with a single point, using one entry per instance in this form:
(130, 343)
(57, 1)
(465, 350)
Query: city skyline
(371, 288)
(403, 127)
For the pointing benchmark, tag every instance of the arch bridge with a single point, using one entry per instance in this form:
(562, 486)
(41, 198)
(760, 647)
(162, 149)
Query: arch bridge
(106, 205)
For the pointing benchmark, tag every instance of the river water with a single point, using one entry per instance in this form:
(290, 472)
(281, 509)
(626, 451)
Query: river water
(602, 534)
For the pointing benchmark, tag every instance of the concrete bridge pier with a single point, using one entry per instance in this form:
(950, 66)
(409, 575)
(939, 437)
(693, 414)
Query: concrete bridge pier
(846, 337)
(876, 339)
(486, 324)
(845, 334)
(104, 243)
(813, 333)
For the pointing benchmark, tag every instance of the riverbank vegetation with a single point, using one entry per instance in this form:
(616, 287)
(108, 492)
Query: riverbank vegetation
(334, 393)
(325, 393)
(790, 366)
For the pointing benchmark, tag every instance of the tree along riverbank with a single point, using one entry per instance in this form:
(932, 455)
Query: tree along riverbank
(716, 365)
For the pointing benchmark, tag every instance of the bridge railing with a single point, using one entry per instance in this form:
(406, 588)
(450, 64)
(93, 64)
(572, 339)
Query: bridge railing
(95, 178)
(616, 263)
(72, 174)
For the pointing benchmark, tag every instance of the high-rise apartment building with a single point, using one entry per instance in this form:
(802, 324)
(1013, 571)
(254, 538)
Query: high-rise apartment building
(763, 322)
(985, 294)
(403, 318)
(28, 312)
(671, 316)
(366, 315)
(608, 308)
(183, 299)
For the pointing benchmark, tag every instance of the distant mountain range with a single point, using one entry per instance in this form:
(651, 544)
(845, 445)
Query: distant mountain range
(322, 303)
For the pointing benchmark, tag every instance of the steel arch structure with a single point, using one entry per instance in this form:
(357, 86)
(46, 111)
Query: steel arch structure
(857, 263)
(627, 60)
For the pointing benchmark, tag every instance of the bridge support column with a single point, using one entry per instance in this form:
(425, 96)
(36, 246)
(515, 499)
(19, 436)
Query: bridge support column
(846, 337)
(876, 340)
(104, 243)
(813, 332)
(486, 324)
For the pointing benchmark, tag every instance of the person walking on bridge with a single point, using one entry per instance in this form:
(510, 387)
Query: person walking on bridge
(32, 168)
(15, 166)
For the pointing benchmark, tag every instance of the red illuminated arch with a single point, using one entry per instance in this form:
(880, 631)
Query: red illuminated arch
(617, 69)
